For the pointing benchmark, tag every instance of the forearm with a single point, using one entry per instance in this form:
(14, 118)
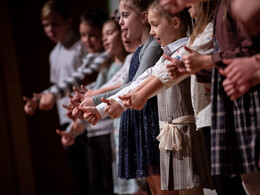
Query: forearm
(103, 90)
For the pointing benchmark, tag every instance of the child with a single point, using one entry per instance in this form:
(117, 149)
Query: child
(205, 179)
(121, 186)
(99, 144)
(89, 26)
(91, 36)
(64, 59)
(235, 134)
(144, 124)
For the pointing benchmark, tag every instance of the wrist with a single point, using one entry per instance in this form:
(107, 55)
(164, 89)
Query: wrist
(207, 62)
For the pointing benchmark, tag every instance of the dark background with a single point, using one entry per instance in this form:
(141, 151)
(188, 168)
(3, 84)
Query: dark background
(32, 160)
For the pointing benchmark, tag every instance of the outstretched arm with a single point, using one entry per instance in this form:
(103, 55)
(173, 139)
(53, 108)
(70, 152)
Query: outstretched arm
(85, 74)
(31, 104)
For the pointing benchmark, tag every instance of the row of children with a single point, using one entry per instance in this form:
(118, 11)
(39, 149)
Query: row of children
(182, 117)
(97, 57)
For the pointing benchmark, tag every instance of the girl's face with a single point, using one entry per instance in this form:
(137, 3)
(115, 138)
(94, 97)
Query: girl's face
(130, 21)
(130, 45)
(112, 38)
(91, 37)
(55, 27)
(194, 10)
(162, 29)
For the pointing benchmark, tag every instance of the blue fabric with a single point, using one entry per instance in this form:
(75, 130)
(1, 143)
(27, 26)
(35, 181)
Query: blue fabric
(138, 147)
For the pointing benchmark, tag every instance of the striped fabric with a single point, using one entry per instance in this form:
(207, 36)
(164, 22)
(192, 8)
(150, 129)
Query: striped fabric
(91, 65)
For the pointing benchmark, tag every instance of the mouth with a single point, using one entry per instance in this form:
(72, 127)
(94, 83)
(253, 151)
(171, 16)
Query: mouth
(106, 46)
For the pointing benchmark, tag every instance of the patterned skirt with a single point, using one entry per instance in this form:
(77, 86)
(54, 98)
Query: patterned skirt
(138, 147)
(235, 130)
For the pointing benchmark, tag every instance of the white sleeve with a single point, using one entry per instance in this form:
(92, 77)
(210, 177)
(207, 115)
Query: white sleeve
(124, 91)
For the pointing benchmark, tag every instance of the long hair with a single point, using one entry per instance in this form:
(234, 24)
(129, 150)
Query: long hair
(207, 11)
(110, 59)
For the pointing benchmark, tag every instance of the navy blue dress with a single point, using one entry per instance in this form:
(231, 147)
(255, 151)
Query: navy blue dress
(138, 147)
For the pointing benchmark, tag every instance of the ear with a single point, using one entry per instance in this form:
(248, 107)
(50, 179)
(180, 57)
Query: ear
(144, 17)
(176, 22)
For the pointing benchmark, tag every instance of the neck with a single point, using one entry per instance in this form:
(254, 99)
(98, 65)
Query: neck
(145, 35)
(69, 38)
(119, 59)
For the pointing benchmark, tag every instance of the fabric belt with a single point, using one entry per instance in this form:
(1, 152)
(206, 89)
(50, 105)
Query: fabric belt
(170, 137)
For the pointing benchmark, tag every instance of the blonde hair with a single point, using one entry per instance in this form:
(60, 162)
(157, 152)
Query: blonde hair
(53, 6)
(207, 11)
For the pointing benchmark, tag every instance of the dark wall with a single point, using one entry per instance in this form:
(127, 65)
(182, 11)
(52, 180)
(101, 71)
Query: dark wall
(48, 171)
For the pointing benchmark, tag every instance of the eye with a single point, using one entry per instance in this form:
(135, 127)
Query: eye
(124, 14)
(110, 32)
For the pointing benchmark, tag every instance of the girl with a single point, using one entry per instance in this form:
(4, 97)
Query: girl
(142, 158)
(183, 106)
(98, 137)
(235, 124)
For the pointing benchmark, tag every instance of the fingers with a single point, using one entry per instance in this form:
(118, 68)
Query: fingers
(63, 133)
(227, 61)
(222, 72)
(91, 118)
(25, 98)
(77, 90)
(105, 101)
(166, 57)
(84, 88)
(69, 95)
(188, 49)
(68, 107)
(125, 97)
(83, 109)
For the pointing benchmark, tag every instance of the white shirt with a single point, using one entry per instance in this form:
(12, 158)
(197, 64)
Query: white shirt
(121, 75)
(63, 62)
(200, 92)
(159, 64)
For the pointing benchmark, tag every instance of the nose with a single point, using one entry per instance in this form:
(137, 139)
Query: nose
(104, 38)
(152, 33)
(85, 39)
(121, 22)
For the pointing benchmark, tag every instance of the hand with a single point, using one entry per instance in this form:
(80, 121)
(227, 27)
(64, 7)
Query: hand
(67, 138)
(31, 104)
(196, 61)
(113, 108)
(133, 100)
(242, 73)
(87, 101)
(91, 114)
(77, 99)
(175, 67)
(47, 101)
(69, 111)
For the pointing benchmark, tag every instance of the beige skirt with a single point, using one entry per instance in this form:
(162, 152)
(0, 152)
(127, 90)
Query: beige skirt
(188, 167)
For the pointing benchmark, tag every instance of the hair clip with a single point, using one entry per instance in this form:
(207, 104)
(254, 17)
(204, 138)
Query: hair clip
(114, 16)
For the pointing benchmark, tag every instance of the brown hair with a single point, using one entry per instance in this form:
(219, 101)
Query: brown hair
(184, 16)
(138, 5)
(53, 6)
(110, 59)
(207, 10)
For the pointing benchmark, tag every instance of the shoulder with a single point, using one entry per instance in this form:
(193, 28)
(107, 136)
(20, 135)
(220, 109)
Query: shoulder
(151, 49)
